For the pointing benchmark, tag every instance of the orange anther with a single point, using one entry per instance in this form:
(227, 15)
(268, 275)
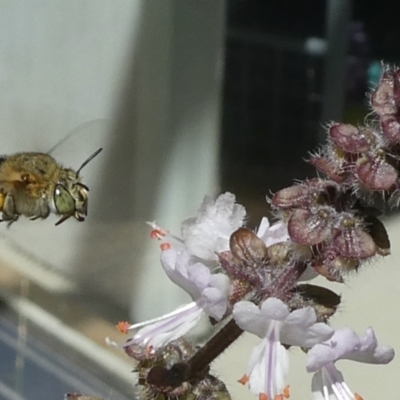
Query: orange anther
(165, 246)
(244, 379)
(286, 392)
(157, 233)
(358, 397)
(123, 326)
(278, 397)
(262, 396)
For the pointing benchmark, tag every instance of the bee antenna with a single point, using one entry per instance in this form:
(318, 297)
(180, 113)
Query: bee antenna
(87, 161)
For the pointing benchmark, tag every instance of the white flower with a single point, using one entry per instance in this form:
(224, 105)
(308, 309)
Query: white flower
(276, 325)
(158, 332)
(209, 231)
(209, 291)
(328, 382)
(184, 262)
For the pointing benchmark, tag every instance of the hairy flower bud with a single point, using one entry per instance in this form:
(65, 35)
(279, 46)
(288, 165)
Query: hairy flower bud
(332, 265)
(291, 197)
(390, 124)
(382, 98)
(331, 168)
(353, 242)
(247, 247)
(375, 173)
(310, 228)
(351, 139)
(324, 301)
(165, 375)
(378, 232)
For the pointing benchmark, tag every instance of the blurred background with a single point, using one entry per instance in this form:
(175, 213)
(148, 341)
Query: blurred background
(187, 98)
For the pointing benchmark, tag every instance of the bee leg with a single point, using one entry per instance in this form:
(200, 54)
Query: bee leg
(43, 211)
(8, 211)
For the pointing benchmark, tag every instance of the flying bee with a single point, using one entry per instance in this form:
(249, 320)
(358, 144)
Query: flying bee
(35, 185)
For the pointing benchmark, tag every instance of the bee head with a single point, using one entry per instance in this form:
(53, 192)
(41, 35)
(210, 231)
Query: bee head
(71, 195)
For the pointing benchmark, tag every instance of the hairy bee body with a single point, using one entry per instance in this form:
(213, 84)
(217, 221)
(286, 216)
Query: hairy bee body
(35, 185)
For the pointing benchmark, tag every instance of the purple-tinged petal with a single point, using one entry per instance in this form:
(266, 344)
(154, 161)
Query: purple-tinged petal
(175, 265)
(221, 282)
(274, 309)
(344, 341)
(199, 275)
(301, 329)
(168, 259)
(277, 233)
(166, 328)
(251, 319)
(263, 228)
(328, 384)
(247, 316)
(215, 303)
(268, 367)
(370, 352)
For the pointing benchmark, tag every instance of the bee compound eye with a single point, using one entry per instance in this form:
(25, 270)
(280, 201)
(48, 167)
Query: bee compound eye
(63, 201)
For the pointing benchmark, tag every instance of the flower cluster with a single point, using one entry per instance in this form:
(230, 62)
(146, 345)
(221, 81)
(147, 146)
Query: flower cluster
(253, 280)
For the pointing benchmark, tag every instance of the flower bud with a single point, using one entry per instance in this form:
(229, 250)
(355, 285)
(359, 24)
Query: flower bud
(379, 235)
(291, 197)
(165, 375)
(351, 139)
(333, 267)
(390, 125)
(308, 228)
(324, 301)
(382, 98)
(353, 242)
(327, 167)
(375, 173)
(247, 247)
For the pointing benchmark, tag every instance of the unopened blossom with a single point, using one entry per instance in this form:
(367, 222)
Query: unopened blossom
(328, 382)
(276, 326)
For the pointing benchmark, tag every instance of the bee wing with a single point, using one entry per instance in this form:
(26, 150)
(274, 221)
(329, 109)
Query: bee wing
(75, 147)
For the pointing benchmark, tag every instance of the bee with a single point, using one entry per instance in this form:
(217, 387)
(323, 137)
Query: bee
(35, 185)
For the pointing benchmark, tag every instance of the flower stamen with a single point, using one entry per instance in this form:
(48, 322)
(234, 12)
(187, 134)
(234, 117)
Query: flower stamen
(123, 326)
(286, 392)
(165, 246)
(157, 233)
